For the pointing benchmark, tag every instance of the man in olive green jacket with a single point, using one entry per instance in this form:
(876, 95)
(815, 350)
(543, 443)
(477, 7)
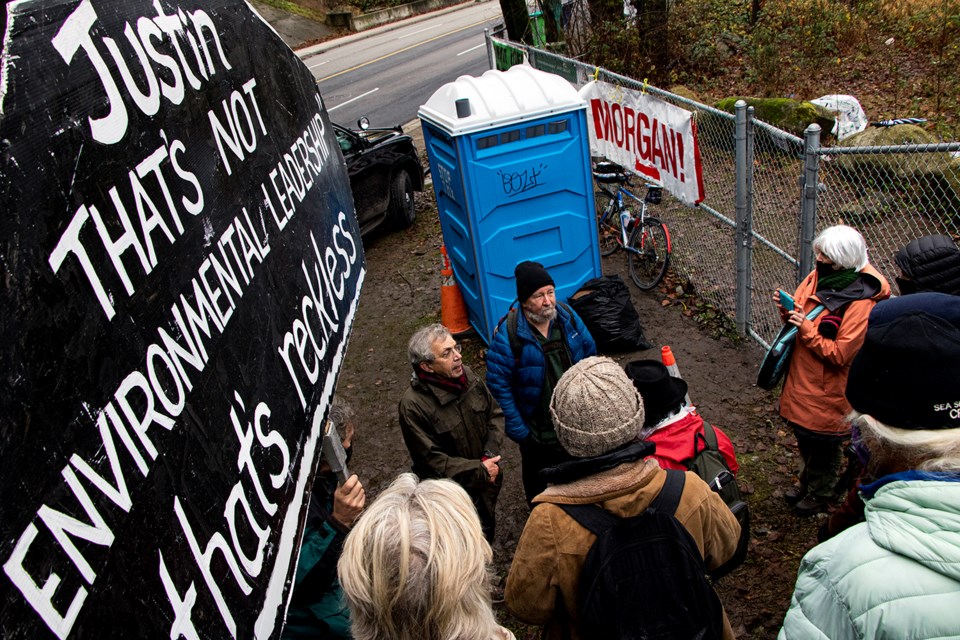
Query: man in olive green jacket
(452, 426)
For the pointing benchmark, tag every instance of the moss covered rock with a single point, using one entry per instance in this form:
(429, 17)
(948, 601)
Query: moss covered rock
(883, 136)
(793, 116)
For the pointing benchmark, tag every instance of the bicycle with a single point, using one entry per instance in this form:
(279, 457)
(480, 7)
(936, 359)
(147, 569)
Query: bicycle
(648, 243)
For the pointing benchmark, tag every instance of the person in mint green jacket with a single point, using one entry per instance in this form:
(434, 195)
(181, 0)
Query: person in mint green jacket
(897, 575)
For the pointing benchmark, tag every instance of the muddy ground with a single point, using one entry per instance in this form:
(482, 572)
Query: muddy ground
(401, 293)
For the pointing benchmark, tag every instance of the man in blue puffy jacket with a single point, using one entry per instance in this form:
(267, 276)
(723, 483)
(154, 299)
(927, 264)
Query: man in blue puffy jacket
(529, 353)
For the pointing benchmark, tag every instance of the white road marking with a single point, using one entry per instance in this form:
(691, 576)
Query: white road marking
(420, 31)
(362, 95)
(482, 44)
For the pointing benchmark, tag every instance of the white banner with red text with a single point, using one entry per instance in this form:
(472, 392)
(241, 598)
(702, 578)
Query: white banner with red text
(650, 137)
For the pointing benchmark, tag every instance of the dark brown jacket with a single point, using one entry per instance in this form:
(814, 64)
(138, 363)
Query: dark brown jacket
(447, 434)
(545, 574)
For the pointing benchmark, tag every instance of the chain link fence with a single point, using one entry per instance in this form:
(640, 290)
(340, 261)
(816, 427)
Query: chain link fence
(891, 194)
(768, 192)
(702, 237)
(776, 226)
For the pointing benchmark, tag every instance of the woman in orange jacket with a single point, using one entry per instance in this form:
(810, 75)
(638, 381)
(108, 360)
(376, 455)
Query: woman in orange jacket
(813, 401)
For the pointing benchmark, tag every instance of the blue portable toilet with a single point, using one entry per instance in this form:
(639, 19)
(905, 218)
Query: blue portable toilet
(510, 156)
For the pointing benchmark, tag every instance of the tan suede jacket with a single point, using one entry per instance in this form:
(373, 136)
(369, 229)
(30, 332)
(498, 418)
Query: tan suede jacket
(543, 579)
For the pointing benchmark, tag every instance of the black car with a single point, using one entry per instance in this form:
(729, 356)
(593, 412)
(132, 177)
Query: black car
(385, 170)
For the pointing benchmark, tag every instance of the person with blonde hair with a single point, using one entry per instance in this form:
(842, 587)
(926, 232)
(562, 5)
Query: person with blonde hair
(896, 575)
(416, 566)
(812, 401)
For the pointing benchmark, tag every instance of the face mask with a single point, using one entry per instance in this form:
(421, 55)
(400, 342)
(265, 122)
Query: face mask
(824, 269)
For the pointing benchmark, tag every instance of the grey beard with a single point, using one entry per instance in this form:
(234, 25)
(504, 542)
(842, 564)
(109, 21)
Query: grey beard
(547, 315)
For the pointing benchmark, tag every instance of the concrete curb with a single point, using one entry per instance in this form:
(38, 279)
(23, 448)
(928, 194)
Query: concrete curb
(413, 130)
(333, 43)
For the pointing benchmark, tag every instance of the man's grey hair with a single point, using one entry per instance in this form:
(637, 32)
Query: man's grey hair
(341, 414)
(420, 347)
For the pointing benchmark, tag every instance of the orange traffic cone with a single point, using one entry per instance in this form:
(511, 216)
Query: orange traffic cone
(453, 310)
(666, 355)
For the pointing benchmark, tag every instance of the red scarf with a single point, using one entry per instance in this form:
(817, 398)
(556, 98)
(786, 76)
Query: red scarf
(453, 385)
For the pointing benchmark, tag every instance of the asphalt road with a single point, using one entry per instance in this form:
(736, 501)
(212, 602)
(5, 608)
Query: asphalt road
(387, 74)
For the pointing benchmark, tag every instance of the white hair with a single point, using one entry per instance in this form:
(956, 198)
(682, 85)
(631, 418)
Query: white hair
(415, 566)
(844, 245)
(923, 449)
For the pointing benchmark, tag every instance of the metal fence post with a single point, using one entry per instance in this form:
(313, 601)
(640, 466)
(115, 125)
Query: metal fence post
(751, 142)
(808, 198)
(743, 231)
(491, 60)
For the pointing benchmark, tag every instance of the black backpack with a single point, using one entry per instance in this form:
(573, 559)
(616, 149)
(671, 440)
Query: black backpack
(644, 577)
(708, 463)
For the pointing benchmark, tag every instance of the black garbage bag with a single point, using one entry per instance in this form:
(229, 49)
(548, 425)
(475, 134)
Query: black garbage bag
(604, 305)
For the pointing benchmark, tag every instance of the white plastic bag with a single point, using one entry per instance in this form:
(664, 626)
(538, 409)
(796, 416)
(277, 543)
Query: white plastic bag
(851, 118)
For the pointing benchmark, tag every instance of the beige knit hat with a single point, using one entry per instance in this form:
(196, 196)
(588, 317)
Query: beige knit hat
(595, 408)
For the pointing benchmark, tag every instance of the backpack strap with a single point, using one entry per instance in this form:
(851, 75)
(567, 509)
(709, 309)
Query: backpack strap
(591, 517)
(669, 496)
(512, 322)
(786, 339)
(708, 438)
(815, 311)
(597, 520)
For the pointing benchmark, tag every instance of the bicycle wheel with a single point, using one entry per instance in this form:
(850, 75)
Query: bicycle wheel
(648, 254)
(608, 223)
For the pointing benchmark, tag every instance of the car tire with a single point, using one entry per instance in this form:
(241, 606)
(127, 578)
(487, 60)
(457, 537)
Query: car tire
(402, 211)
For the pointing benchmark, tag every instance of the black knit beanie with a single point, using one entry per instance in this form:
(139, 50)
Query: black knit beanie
(907, 373)
(530, 277)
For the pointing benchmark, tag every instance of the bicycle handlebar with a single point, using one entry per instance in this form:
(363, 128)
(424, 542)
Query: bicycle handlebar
(609, 178)
(622, 177)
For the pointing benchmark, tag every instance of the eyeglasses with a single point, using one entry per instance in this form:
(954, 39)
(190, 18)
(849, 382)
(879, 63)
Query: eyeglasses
(448, 352)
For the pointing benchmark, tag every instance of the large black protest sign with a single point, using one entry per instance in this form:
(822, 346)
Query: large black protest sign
(180, 270)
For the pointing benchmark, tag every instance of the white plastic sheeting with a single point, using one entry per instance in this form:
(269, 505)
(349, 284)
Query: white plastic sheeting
(851, 118)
